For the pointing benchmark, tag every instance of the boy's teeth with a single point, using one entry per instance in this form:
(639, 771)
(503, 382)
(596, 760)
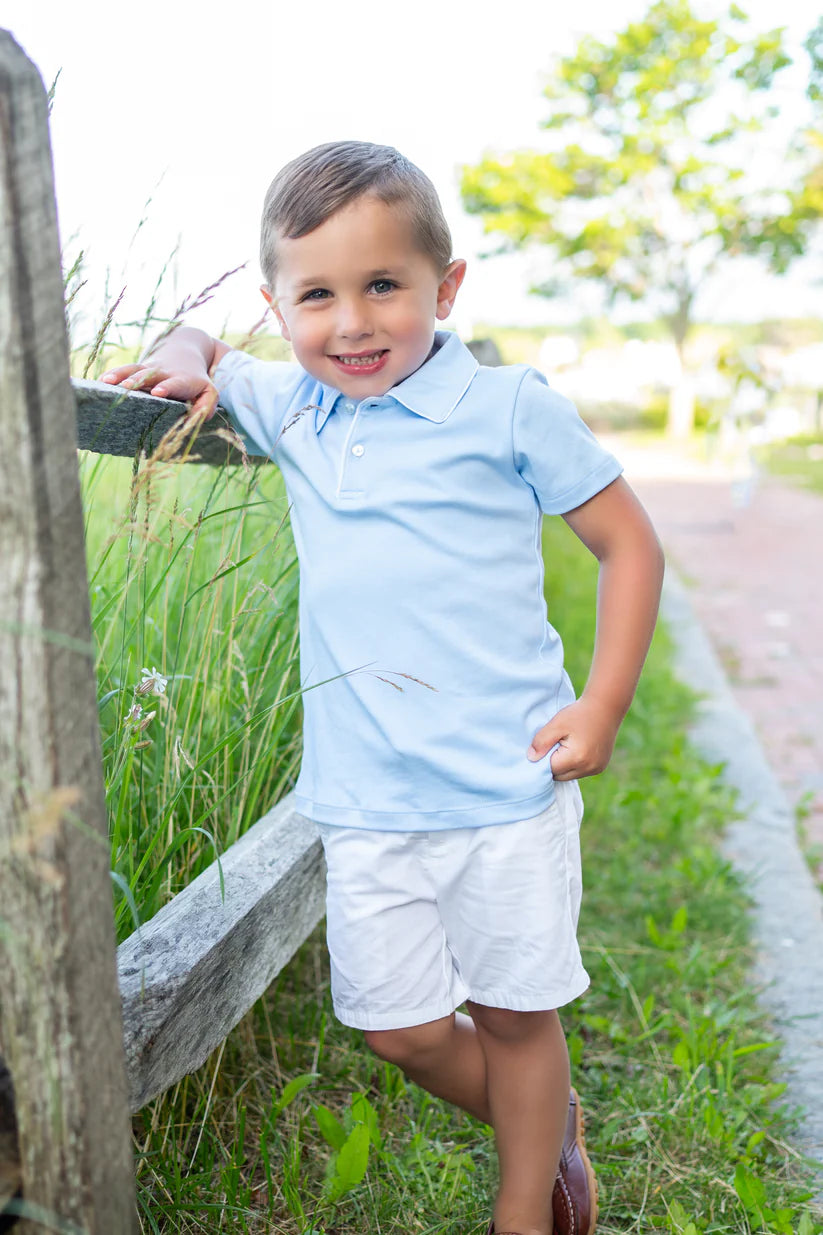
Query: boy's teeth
(361, 360)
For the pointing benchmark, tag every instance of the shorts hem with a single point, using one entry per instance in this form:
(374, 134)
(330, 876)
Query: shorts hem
(545, 1002)
(362, 1019)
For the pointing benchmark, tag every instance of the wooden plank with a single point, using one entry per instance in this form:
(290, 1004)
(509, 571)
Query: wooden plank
(115, 421)
(60, 1022)
(190, 974)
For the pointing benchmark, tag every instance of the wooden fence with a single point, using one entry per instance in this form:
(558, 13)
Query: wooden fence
(88, 1032)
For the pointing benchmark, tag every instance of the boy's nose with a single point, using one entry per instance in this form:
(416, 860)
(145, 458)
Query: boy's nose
(353, 321)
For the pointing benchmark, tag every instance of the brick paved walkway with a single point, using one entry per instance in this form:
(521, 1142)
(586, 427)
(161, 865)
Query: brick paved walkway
(754, 572)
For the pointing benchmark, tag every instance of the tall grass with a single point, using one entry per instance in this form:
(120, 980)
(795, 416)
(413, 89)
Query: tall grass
(194, 590)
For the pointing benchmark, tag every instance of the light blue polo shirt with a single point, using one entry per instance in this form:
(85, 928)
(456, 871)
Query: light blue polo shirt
(417, 520)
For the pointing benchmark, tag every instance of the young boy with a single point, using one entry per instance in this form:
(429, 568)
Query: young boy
(441, 762)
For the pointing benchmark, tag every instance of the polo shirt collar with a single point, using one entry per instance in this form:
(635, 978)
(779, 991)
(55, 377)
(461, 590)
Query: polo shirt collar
(325, 407)
(433, 391)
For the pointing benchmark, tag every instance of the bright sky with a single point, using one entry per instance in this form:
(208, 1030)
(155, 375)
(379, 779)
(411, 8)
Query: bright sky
(198, 113)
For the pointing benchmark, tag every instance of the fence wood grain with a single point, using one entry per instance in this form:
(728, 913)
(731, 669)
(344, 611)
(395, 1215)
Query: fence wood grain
(190, 974)
(60, 1020)
(115, 421)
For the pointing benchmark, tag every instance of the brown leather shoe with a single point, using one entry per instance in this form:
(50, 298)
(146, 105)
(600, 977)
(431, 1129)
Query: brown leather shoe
(574, 1199)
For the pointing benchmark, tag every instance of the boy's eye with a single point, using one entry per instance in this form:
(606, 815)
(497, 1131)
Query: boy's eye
(316, 293)
(382, 286)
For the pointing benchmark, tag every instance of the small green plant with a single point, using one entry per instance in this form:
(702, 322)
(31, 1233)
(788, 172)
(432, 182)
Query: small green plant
(351, 1139)
(753, 1195)
(679, 1223)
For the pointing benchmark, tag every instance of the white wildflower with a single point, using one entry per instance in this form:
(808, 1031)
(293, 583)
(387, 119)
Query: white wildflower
(153, 683)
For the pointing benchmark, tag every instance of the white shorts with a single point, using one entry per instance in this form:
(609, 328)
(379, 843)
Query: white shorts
(419, 922)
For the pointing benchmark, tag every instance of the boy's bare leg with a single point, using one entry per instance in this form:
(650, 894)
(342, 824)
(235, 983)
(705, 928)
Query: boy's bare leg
(527, 1078)
(443, 1056)
(510, 1069)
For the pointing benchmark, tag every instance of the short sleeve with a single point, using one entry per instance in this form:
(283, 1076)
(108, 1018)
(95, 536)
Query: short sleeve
(259, 395)
(554, 451)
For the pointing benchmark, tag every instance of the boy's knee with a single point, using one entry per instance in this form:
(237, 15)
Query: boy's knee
(408, 1047)
(509, 1026)
(388, 1044)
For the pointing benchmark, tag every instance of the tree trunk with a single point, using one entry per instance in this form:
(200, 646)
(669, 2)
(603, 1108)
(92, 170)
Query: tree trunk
(681, 407)
(681, 396)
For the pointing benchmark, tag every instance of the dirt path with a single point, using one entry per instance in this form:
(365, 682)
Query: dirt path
(753, 566)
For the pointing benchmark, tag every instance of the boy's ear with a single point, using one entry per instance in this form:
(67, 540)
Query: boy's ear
(272, 303)
(449, 287)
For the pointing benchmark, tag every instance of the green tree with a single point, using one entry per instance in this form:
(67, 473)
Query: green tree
(651, 176)
(808, 200)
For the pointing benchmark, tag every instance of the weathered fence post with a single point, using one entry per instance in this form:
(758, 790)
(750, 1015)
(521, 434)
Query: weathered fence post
(60, 1021)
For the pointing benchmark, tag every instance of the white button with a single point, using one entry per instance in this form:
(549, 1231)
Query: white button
(358, 450)
(349, 407)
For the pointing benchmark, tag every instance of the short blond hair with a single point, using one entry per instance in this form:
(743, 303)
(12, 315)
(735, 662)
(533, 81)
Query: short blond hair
(315, 185)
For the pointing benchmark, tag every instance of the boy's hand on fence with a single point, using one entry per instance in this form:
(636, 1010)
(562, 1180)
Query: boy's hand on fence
(192, 388)
(579, 739)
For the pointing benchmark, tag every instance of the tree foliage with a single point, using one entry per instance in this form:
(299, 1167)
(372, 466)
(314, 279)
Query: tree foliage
(808, 201)
(650, 177)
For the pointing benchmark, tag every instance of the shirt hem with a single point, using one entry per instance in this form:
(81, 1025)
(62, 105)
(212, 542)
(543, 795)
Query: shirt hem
(426, 821)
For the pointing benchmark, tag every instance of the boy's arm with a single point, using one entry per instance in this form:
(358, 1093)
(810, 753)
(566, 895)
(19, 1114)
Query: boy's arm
(615, 527)
(178, 367)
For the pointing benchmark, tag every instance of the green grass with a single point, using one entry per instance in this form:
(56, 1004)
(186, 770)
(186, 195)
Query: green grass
(192, 573)
(799, 460)
(293, 1127)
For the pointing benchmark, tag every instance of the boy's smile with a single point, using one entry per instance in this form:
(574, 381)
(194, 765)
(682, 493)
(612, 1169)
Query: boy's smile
(358, 298)
(365, 363)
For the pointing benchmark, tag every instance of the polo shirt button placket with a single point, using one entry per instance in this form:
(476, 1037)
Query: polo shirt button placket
(355, 449)
(351, 487)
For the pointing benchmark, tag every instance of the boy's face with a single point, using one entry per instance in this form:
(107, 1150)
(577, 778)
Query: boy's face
(357, 299)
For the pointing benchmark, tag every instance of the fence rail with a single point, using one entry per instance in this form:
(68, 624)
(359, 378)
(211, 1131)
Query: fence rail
(70, 1067)
(114, 421)
(190, 974)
